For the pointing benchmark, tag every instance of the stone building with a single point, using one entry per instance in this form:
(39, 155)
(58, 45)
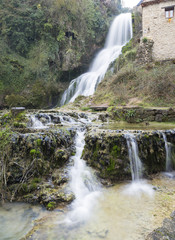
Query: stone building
(158, 25)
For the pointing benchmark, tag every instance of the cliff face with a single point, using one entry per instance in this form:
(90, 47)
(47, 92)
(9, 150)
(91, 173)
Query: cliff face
(44, 45)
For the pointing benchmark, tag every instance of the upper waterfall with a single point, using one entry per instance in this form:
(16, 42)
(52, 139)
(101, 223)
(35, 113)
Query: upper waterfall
(119, 34)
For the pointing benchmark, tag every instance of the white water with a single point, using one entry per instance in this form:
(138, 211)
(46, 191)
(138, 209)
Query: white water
(36, 123)
(138, 185)
(135, 162)
(119, 34)
(83, 184)
(168, 153)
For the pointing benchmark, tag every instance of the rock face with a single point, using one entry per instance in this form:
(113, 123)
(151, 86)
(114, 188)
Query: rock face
(107, 152)
(166, 232)
(34, 166)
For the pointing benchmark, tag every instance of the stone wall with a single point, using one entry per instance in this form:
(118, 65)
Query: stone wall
(144, 52)
(159, 29)
(144, 114)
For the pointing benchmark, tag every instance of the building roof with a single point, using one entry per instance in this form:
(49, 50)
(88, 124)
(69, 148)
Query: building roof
(139, 3)
(152, 2)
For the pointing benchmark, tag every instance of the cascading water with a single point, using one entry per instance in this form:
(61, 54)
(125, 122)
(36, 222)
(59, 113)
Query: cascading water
(83, 184)
(168, 153)
(138, 185)
(135, 162)
(119, 34)
(36, 123)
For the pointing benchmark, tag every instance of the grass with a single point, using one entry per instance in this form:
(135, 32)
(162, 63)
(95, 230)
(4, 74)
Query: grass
(153, 85)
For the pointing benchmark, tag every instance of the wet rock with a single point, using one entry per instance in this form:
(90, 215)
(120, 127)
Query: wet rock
(107, 152)
(103, 117)
(37, 155)
(166, 232)
(16, 110)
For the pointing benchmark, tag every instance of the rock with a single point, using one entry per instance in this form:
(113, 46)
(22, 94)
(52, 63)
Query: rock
(166, 232)
(99, 107)
(107, 152)
(16, 110)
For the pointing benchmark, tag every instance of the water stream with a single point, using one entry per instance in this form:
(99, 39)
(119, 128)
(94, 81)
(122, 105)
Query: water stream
(119, 34)
(138, 185)
(135, 162)
(83, 184)
(168, 153)
(116, 216)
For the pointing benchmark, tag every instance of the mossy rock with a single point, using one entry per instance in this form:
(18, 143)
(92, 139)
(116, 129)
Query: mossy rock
(51, 206)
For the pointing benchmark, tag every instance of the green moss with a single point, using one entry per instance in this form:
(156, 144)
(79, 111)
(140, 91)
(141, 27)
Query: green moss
(38, 142)
(85, 108)
(32, 187)
(36, 180)
(51, 205)
(19, 125)
(35, 153)
(145, 40)
(24, 187)
(111, 166)
(115, 151)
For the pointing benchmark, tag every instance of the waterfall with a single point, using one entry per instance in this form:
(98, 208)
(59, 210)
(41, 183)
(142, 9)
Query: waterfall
(135, 162)
(36, 123)
(168, 153)
(119, 34)
(83, 184)
(138, 185)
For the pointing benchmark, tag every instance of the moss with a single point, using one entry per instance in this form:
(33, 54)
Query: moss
(38, 142)
(115, 151)
(111, 166)
(32, 187)
(35, 153)
(24, 188)
(30, 195)
(20, 117)
(36, 180)
(51, 205)
(85, 108)
(19, 125)
(145, 40)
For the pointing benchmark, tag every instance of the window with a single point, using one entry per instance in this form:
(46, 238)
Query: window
(169, 12)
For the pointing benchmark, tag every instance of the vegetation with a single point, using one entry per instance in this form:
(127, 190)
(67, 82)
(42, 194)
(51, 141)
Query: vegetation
(135, 84)
(44, 44)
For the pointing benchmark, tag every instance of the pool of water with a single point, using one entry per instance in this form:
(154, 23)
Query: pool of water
(124, 212)
(17, 219)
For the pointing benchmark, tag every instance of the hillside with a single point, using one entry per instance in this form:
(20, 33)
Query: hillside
(133, 82)
(44, 45)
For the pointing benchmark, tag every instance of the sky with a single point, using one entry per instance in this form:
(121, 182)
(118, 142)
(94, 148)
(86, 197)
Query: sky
(130, 3)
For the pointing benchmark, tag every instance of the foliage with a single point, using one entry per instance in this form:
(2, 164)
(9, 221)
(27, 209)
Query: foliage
(5, 136)
(42, 43)
(145, 40)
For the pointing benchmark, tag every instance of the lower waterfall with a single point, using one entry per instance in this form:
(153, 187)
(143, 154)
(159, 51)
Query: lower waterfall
(83, 184)
(138, 185)
(169, 167)
(135, 162)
